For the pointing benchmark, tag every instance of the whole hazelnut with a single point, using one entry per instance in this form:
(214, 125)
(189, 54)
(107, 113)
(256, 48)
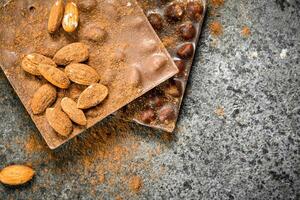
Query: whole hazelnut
(194, 10)
(147, 116)
(166, 113)
(173, 89)
(155, 102)
(181, 67)
(186, 51)
(156, 21)
(174, 12)
(187, 31)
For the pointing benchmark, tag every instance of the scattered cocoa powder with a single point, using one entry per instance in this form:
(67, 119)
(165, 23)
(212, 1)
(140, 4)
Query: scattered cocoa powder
(106, 154)
(220, 111)
(118, 198)
(216, 3)
(246, 32)
(216, 28)
(135, 183)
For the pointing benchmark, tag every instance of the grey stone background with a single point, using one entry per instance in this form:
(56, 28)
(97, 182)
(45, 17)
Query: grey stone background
(252, 152)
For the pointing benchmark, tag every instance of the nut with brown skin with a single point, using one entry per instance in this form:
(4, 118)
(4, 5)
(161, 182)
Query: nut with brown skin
(44, 97)
(74, 52)
(31, 61)
(59, 121)
(155, 102)
(70, 108)
(71, 17)
(166, 113)
(181, 67)
(147, 116)
(187, 31)
(14, 175)
(156, 21)
(174, 12)
(174, 89)
(54, 76)
(194, 10)
(186, 51)
(92, 96)
(55, 16)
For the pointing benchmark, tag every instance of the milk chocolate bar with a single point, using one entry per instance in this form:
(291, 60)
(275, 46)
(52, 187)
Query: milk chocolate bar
(178, 24)
(114, 38)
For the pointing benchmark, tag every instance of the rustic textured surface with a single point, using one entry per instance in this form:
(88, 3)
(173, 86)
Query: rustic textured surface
(252, 152)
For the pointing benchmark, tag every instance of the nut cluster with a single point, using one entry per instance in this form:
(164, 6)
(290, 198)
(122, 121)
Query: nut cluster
(178, 20)
(60, 117)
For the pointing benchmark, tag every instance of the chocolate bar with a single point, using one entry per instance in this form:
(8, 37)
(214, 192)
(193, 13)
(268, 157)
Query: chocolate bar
(112, 37)
(178, 24)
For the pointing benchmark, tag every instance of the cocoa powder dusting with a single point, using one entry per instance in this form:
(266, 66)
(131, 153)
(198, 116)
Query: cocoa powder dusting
(246, 32)
(135, 183)
(216, 3)
(108, 154)
(220, 111)
(216, 28)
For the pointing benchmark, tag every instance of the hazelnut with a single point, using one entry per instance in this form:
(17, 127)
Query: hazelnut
(167, 112)
(181, 67)
(87, 5)
(174, 12)
(155, 102)
(147, 116)
(187, 31)
(156, 21)
(186, 51)
(173, 89)
(194, 10)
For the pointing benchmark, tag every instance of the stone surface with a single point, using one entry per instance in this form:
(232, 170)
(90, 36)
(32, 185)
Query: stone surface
(250, 152)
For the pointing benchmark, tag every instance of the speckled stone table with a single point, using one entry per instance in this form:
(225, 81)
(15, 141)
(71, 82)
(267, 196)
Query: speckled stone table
(251, 151)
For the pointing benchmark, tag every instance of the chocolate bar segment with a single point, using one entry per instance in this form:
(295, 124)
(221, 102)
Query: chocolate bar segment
(122, 46)
(178, 24)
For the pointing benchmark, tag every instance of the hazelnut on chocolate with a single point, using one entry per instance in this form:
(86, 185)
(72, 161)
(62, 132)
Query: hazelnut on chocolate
(174, 12)
(187, 31)
(156, 21)
(181, 67)
(186, 51)
(155, 102)
(173, 89)
(194, 10)
(167, 112)
(147, 116)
